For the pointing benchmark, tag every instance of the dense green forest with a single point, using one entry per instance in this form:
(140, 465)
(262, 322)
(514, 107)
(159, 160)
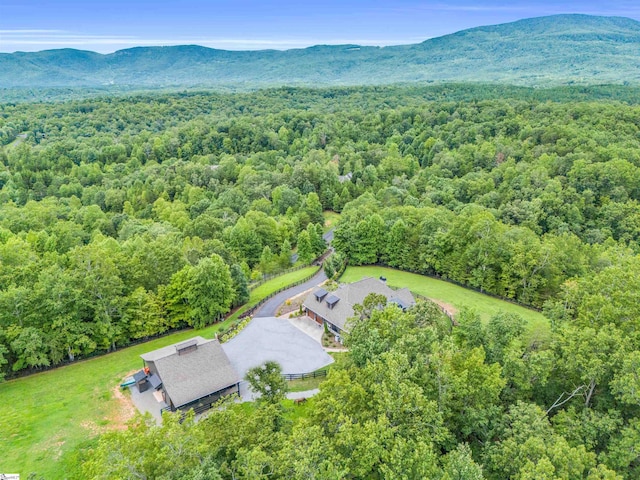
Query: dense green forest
(122, 218)
(544, 51)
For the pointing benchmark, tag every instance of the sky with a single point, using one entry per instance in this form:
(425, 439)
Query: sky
(107, 26)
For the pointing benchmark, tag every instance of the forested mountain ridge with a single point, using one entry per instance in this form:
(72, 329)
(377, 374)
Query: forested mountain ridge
(547, 51)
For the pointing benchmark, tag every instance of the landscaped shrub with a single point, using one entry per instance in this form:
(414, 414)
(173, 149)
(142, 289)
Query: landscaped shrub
(234, 329)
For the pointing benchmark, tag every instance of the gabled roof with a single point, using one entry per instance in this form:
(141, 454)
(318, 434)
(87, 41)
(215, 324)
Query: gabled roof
(332, 300)
(400, 302)
(154, 355)
(189, 376)
(155, 381)
(344, 178)
(351, 294)
(320, 293)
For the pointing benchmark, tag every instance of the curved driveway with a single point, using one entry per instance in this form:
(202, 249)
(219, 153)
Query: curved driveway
(270, 307)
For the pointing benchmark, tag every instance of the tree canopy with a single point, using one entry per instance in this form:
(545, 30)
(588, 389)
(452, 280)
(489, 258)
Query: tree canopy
(123, 218)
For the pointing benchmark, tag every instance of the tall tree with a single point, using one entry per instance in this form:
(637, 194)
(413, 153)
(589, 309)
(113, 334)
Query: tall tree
(240, 285)
(200, 295)
(313, 208)
(305, 249)
(267, 381)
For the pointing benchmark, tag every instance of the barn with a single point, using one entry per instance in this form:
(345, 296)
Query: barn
(191, 374)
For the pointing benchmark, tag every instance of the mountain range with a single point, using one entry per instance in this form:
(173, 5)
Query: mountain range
(544, 51)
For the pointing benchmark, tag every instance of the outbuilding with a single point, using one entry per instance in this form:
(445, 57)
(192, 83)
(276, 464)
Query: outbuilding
(192, 374)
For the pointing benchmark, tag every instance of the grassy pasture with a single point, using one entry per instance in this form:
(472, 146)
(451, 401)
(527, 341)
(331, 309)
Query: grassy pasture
(453, 296)
(47, 415)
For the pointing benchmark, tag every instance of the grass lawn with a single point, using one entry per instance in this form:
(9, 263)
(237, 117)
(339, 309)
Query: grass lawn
(330, 219)
(43, 416)
(445, 292)
(311, 383)
(306, 384)
(267, 288)
(295, 412)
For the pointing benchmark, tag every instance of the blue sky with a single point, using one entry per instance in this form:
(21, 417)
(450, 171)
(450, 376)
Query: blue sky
(106, 26)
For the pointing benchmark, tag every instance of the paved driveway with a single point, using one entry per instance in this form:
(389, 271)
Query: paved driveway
(270, 338)
(308, 326)
(248, 396)
(270, 307)
(328, 237)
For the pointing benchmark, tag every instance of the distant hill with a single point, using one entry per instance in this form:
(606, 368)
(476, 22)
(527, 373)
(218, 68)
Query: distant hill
(545, 51)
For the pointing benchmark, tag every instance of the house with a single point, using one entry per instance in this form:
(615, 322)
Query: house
(335, 308)
(192, 374)
(345, 178)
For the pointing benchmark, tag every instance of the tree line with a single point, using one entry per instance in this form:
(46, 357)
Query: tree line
(108, 206)
(470, 247)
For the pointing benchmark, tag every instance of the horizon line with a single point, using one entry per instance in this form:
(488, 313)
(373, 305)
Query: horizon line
(56, 39)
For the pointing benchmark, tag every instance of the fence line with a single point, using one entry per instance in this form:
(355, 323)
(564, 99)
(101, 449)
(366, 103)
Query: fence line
(440, 307)
(266, 278)
(303, 376)
(317, 262)
(254, 308)
(25, 372)
(200, 408)
(98, 353)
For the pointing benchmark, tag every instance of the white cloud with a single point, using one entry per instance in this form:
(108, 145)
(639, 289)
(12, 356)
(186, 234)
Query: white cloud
(28, 31)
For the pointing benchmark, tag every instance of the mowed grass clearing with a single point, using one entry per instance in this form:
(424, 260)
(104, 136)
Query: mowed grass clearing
(277, 283)
(450, 294)
(330, 219)
(47, 415)
(311, 383)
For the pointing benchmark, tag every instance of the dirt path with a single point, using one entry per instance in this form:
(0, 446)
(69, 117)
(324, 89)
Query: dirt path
(447, 307)
(122, 412)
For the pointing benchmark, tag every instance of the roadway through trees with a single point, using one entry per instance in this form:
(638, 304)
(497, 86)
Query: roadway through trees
(270, 308)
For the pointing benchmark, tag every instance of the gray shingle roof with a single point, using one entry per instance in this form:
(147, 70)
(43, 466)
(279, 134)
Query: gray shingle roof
(320, 293)
(168, 350)
(195, 374)
(155, 381)
(331, 300)
(398, 301)
(351, 294)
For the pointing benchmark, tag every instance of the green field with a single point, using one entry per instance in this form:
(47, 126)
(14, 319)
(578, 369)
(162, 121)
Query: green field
(277, 283)
(448, 293)
(46, 415)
